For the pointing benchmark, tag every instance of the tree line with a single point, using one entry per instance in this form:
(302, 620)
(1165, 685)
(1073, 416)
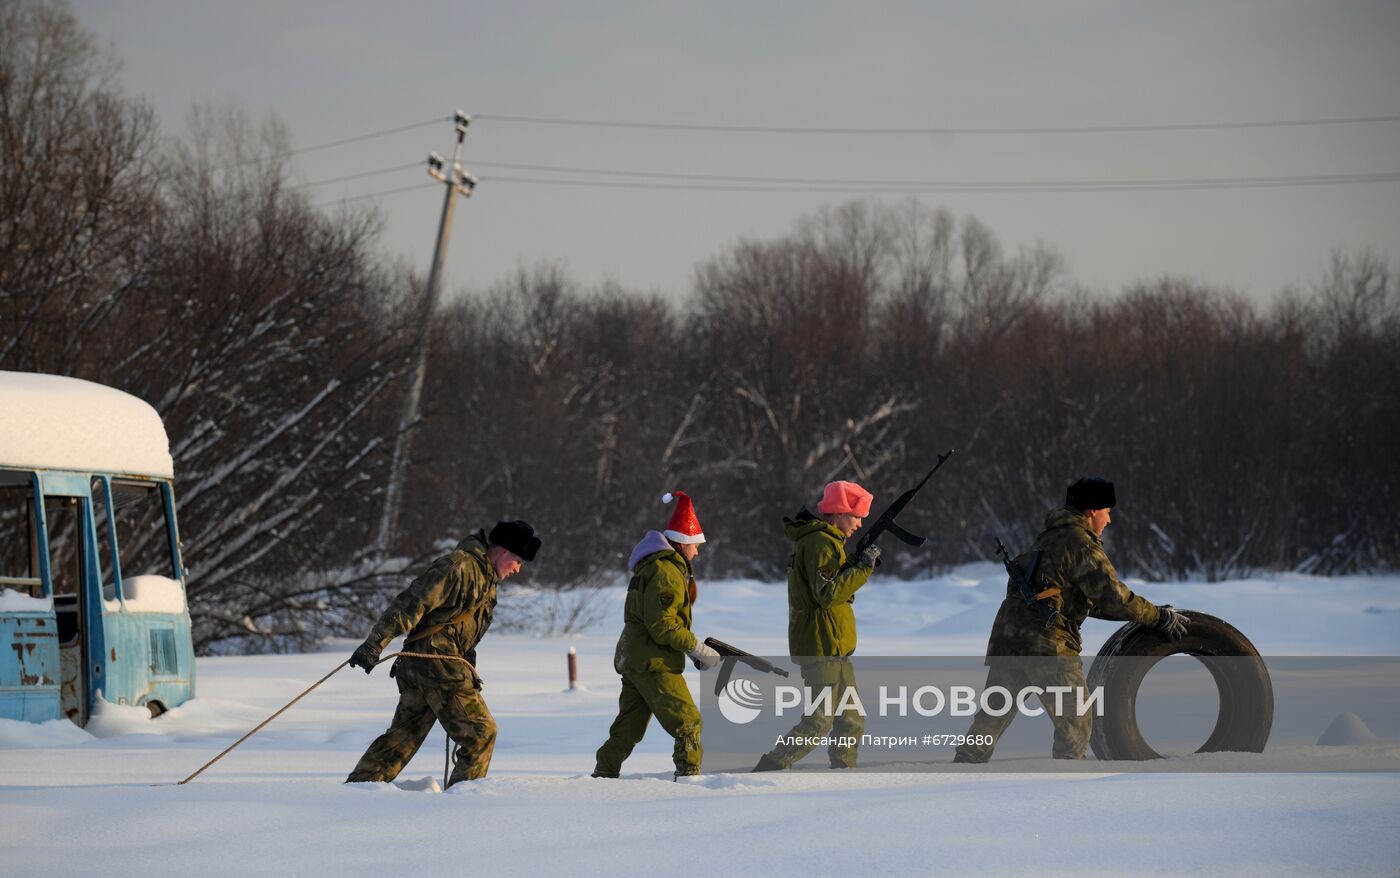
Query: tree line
(870, 338)
(188, 271)
(275, 340)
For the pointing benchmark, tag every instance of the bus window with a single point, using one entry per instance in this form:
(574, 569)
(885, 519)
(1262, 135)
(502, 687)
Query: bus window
(19, 568)
(104, 539)
(143, 541)
(65, 545)
(163, 658)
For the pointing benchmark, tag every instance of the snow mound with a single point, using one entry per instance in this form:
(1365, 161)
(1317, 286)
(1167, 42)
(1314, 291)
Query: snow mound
(421, 785)
(12, 601)
(727, 782)
(55, 422)
(1347, 730)
(150, 593)
(109, 720)
(54, 733)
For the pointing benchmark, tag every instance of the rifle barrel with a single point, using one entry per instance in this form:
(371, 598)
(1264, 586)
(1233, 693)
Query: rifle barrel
(891, 512)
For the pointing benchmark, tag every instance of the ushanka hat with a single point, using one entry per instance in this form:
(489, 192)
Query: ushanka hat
(516, 536)
(1090, 493)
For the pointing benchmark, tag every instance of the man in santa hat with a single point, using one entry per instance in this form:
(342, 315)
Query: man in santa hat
(655, 641)
(822, 587)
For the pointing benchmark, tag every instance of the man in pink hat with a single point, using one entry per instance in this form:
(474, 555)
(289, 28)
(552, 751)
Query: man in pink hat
(822, 586)
(655, 641)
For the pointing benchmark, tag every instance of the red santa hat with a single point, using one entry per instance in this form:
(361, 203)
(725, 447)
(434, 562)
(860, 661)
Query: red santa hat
(842, 497)
(683, 527)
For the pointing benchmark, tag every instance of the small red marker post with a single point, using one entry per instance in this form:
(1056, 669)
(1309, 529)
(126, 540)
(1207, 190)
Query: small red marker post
(573, 669)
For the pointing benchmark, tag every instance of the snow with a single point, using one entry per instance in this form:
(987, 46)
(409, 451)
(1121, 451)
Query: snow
(276, 805)
(150, 593)
(46, 734)
(53, 422)
(12, 601)
(1346, 730)
(110, 720)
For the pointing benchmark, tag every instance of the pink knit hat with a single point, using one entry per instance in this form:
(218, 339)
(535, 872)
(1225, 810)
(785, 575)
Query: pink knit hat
(842, 497)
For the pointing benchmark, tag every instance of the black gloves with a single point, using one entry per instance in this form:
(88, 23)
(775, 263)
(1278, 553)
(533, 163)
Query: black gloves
(870, 556)
(1171, 622)
(365, 656)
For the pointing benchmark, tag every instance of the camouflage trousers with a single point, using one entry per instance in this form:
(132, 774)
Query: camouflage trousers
(644, 695)
(1071, 730)
(464, 716)
(837, 674)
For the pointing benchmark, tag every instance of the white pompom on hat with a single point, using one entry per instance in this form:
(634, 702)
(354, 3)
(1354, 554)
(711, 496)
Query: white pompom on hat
(683, 527)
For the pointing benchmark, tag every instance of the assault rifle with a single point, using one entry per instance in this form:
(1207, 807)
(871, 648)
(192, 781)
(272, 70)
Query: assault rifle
(886, 520)
(732, 654)
(1023, 580)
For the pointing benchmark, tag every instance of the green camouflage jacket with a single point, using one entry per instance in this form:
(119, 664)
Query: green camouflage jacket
(656, 615)
(463, 581)
(821, 589)
(1073, 561)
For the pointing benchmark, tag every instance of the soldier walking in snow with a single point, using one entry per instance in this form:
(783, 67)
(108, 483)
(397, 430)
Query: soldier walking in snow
(822, 587)
(656, 638)
(1073, 576)
(444, 612)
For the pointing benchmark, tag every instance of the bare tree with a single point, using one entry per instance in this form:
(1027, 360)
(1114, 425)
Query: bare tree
(266, 337)
(77, 186)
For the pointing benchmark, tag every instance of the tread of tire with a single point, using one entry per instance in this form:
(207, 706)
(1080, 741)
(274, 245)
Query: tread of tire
(1246, 692)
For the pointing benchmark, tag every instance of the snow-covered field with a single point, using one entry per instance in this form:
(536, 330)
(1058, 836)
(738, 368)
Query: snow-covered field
(101, 801)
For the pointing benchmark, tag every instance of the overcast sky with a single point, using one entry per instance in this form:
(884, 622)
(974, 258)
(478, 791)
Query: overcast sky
(336, 70)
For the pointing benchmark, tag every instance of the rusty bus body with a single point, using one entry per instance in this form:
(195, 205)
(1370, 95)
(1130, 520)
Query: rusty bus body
(92, 583)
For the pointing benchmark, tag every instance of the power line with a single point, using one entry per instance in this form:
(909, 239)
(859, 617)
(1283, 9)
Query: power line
(342, 142)
(1181, 184)
(1050, 129)
(371, 135)
(812, 185)
(759, 183)
(381, 194)
(914, 184)
(359, 176)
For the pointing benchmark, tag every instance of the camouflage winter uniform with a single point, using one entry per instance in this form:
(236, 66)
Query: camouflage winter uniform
(458, 592)
(822, 634)
(1077, 579)
(650, 656)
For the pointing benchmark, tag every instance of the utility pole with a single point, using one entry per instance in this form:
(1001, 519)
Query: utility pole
(457, 182)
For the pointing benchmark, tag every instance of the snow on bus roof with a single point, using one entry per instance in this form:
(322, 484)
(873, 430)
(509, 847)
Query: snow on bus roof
(53, 422)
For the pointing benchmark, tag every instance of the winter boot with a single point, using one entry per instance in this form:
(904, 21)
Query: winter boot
(768, 763)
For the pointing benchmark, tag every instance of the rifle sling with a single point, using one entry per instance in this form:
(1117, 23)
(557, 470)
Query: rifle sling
(433, 629)
(1033, 599)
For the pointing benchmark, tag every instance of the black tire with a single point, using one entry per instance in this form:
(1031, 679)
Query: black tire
(155, 708)
(1246, 692)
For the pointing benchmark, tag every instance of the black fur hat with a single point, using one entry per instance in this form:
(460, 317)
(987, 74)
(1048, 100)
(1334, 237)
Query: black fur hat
(1090, 493)
(516, 536)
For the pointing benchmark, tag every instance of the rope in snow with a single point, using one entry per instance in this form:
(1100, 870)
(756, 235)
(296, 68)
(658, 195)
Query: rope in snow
(307, 691)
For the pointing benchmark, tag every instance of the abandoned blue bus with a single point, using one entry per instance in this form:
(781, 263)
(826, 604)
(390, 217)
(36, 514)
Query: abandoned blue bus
(92, 584)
